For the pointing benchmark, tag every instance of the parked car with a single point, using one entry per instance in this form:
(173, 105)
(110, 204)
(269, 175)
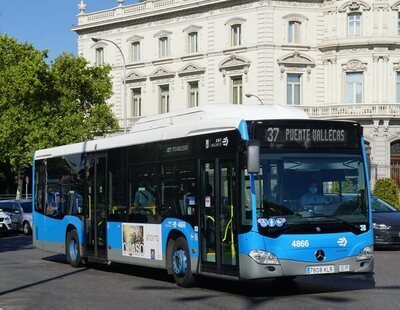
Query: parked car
(386, 221)
(5, 222)
(20, 212)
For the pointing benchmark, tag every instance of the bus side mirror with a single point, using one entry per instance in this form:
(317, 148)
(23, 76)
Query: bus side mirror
(253, 156)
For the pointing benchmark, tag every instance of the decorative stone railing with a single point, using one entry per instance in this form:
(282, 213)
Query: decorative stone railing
(138, 9)
(353, 111)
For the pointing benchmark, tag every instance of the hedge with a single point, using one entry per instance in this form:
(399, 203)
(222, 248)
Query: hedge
(387, 190)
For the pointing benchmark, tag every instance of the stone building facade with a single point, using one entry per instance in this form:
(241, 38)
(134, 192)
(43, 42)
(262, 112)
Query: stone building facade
(335, 59)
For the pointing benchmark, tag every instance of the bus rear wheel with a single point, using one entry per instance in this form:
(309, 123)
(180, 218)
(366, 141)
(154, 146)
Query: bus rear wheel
(72, 249)
(180, 261)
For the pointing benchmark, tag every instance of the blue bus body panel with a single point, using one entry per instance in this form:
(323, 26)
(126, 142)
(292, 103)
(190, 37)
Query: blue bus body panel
(54, 230)
(302, 247)
(114, 235)
(186, 229)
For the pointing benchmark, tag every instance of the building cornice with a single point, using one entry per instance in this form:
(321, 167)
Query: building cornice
(139, 11)
(358, 42)
(159, 8)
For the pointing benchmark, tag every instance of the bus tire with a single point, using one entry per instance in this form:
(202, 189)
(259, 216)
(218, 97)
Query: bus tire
(180, 263)
(72, 248)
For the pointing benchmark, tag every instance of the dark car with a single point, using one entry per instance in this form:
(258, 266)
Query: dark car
(386, 221)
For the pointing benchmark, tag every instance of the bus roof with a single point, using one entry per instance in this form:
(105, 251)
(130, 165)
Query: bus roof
(190, 122)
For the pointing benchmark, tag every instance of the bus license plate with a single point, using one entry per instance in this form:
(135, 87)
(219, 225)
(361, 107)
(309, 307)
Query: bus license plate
(320, 269)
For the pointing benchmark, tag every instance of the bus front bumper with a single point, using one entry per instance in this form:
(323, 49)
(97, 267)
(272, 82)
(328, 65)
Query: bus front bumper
(250, 269)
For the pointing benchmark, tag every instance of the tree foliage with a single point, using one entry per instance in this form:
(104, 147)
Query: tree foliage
(44, 105)
(387, 190)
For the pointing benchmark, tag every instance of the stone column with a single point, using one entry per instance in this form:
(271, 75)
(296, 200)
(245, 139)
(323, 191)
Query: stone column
(326, 81)
(335, 78)
(385, 79)
(375, 79)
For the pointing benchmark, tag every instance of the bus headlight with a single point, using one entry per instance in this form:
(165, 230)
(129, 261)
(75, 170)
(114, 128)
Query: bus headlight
(366, 253)
(263, 257)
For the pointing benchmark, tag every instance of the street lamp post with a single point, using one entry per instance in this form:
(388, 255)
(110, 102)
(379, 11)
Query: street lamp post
(248, 95)
(123, 79)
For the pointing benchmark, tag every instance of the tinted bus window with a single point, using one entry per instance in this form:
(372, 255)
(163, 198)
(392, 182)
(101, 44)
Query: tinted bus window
(144, 206)
(117, 208)
(178, 190)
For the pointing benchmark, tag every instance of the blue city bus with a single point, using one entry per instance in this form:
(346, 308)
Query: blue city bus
(240, 192)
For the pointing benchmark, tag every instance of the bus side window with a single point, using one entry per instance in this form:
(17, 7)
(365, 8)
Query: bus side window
(178, 190)
(144, 197)
(40, 186)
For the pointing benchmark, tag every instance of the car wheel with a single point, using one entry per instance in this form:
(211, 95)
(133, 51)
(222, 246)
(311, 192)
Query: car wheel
(180, 263)
(72, 249)
(27, 228)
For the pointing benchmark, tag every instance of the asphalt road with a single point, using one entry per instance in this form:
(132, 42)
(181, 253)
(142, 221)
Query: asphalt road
(32, 279)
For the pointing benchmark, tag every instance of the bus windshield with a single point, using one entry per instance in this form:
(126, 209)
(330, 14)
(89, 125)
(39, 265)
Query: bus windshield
(311, 192)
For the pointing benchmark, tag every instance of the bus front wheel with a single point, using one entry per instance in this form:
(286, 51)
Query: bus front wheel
(72, 249)
(180, 261)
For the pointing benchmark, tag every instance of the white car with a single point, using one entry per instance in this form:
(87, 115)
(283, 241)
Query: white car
(20, 212)
(5, 222)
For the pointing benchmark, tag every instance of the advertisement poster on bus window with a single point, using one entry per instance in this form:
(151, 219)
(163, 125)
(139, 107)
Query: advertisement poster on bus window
(141, 240)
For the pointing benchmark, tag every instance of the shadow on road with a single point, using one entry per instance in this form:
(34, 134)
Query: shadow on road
(15, 242)
(254, 291)
(22, 287)
(301, 285)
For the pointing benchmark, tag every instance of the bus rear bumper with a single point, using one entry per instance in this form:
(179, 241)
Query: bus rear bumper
(249, 269)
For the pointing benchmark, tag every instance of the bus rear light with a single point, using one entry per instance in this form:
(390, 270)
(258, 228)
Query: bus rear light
(263, 257)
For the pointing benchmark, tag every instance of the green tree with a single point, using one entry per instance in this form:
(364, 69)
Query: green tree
(387, 190)
(45, 105)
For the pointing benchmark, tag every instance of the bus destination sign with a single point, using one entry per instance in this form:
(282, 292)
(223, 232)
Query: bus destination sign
(301, 135)
(308, 135)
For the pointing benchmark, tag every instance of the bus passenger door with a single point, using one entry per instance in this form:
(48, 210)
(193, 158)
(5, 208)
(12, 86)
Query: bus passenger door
(218, 205)
(96, 208)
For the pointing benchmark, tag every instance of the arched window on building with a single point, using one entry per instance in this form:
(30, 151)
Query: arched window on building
(164, 43)
(395, 161)
(354, 10)
(192, 34)
(235, 26)
(295, 25)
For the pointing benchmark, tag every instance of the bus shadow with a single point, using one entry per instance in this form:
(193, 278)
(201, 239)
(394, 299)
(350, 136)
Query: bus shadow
(135, 271)
(253, 290)
(302, 285)
(57, 258)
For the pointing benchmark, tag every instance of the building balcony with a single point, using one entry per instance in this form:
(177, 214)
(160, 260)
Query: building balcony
(353, 111)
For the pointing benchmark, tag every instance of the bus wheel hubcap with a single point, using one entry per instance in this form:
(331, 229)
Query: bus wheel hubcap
(73, 249)
(179, 263)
